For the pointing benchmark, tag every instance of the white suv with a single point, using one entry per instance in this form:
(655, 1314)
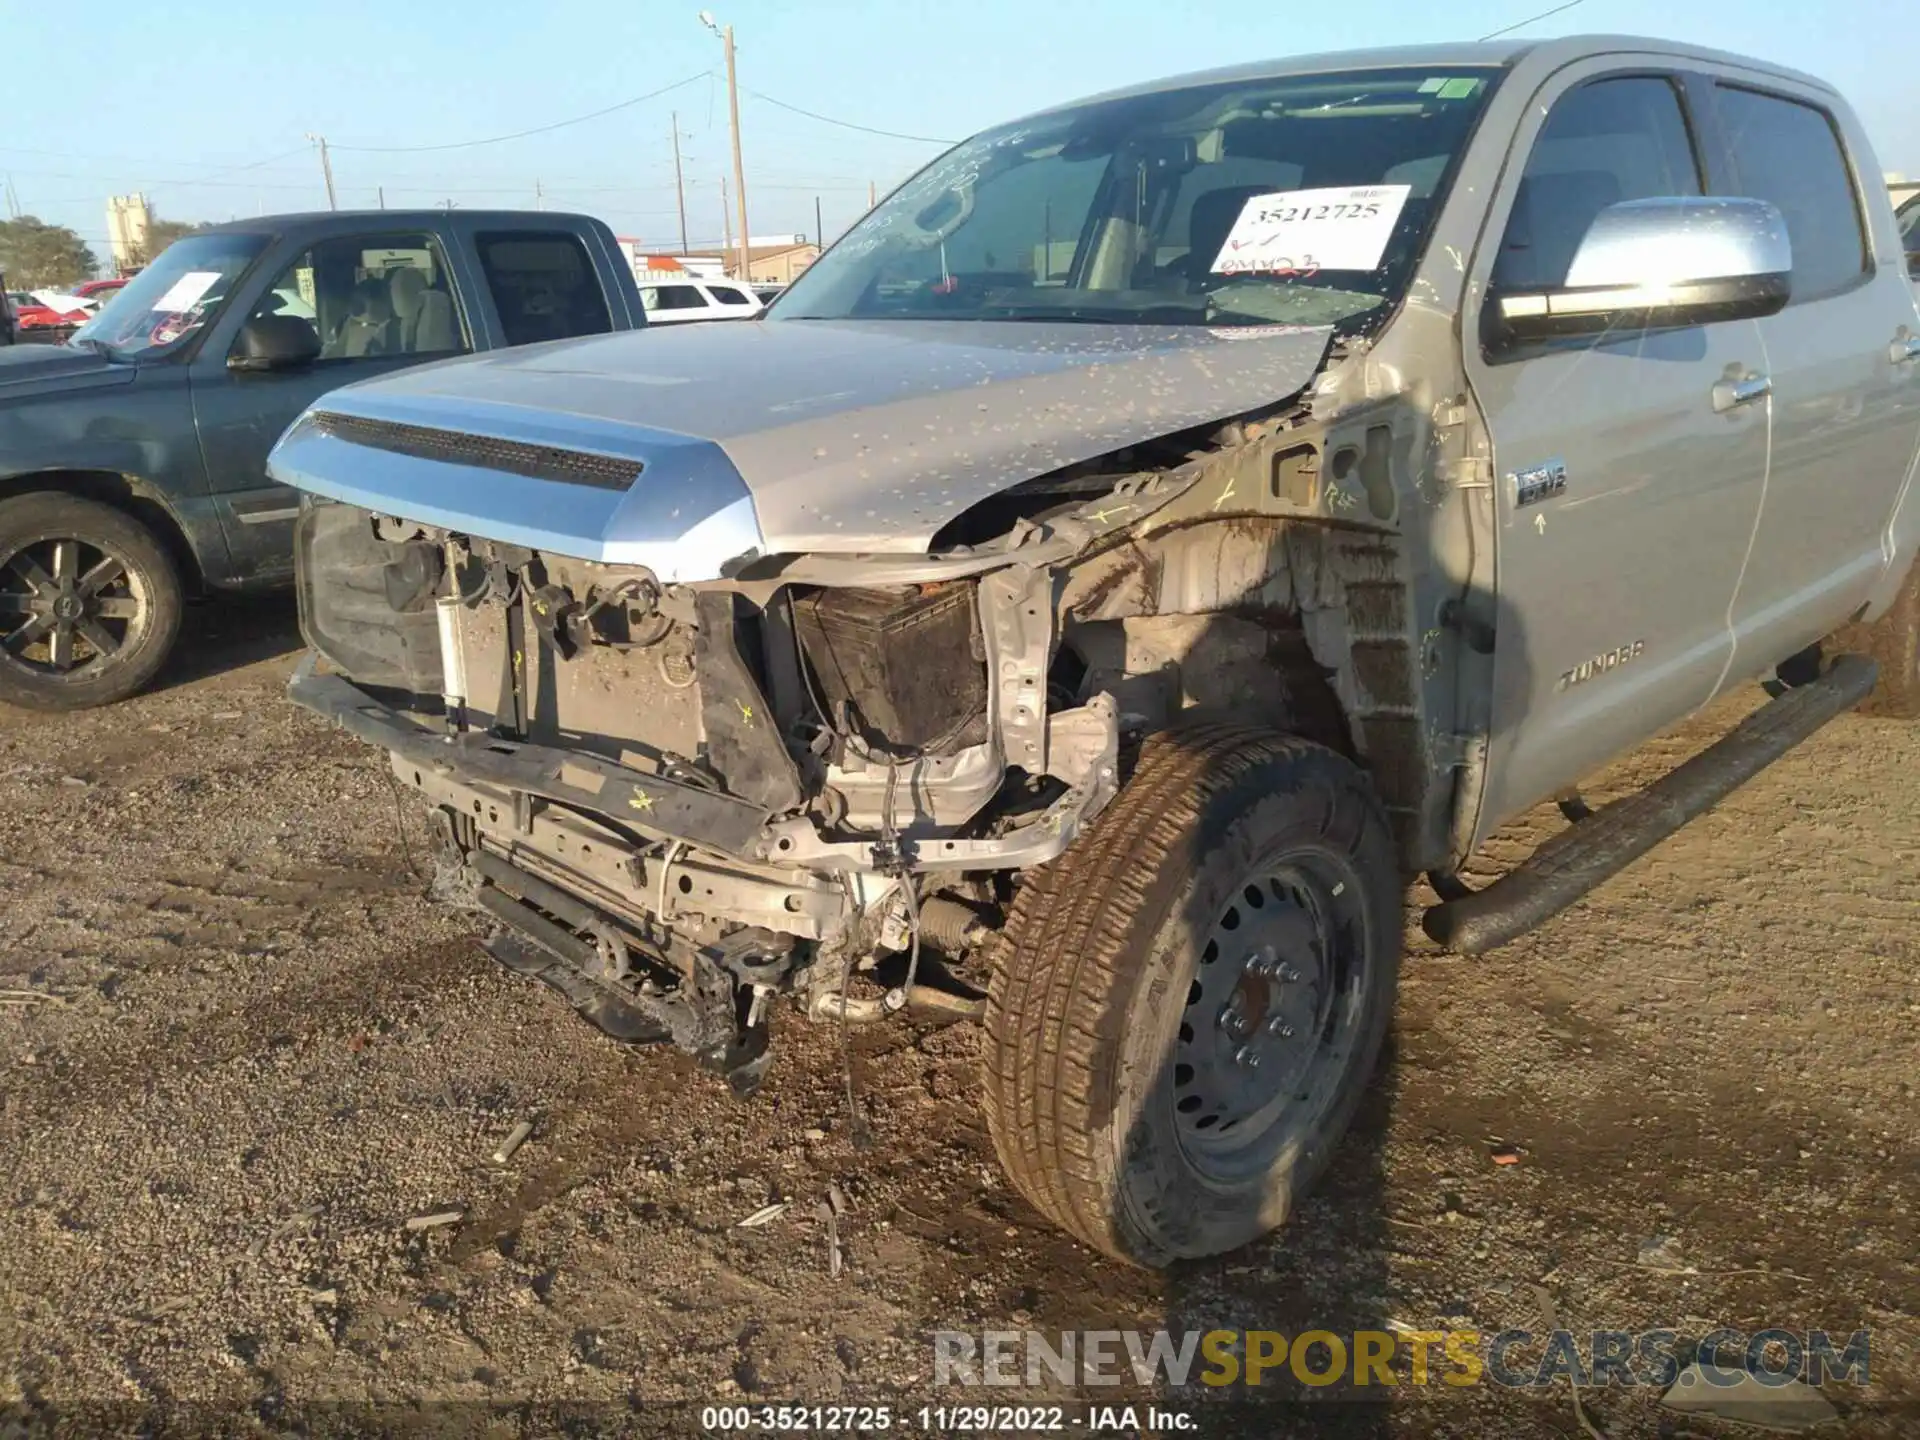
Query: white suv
(676, 302)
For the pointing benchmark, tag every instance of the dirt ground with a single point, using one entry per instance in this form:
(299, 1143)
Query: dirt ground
(261, 1052)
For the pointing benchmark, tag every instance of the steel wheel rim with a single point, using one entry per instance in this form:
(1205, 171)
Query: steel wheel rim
(69, 608)
(1272, 1017)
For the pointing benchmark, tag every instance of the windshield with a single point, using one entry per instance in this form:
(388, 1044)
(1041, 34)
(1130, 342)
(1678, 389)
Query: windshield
(1303, 199)
(173, 297)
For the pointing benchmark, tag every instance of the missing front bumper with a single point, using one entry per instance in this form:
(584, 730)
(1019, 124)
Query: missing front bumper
(661, 809)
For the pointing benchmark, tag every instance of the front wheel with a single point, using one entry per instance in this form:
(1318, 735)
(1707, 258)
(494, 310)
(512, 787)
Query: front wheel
(90, 603)
(1186, 1006)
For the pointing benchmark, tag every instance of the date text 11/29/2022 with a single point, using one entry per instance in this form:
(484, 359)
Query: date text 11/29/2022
(1117, 1420)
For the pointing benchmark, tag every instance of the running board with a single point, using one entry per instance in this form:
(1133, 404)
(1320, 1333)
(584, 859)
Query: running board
(1600, 846)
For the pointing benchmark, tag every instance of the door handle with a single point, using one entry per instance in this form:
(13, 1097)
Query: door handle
(1731, 393)
(1905, 348)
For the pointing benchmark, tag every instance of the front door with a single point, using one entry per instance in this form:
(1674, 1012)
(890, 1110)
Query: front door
(1625, 500)
(1846, 397)
(378, 302)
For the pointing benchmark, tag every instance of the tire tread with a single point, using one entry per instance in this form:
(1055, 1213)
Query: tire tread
(1056, 999)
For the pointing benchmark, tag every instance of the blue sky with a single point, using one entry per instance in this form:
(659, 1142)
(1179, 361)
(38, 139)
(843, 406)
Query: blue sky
(159, 97)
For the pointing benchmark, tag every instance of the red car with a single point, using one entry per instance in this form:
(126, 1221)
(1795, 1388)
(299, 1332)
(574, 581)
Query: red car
(30, 314)
(101, 290)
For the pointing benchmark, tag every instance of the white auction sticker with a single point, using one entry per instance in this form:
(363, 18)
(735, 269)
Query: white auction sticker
(186, 292)
(1344, 227)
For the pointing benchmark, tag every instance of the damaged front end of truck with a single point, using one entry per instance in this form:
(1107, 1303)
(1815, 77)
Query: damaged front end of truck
(690, 758)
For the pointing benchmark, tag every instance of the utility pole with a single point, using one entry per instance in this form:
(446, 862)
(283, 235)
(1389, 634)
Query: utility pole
(381, 191)
(739, 169)
(326, 167)
(872, 199)
(679, 185)
(818, 242)
(726, 221)
(539, 198)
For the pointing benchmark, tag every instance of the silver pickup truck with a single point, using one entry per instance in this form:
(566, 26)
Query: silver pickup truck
(1159, 532)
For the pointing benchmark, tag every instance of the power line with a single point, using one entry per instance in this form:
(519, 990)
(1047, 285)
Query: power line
(1543, 15)
(108, 159)
(522, 134)
(235, 169)
(849, 125)
(155, 184)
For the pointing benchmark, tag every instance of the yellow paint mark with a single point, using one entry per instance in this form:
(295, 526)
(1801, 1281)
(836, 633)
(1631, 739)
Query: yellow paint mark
(516, 659)
(1226, 494)
(746, 712)
(640, 800)
(1102, 515)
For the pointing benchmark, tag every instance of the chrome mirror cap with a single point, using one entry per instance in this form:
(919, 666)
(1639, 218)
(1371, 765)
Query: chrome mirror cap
(1664, 262)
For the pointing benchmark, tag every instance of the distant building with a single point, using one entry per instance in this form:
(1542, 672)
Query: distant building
(656, 264)
(774, 259)
(776, 263)
(127, 220)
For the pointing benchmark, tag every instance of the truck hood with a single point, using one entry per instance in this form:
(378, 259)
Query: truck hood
(28, 370)
(841, 436)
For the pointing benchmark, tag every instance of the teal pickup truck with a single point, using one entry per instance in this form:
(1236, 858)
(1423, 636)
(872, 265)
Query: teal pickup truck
(133, 458)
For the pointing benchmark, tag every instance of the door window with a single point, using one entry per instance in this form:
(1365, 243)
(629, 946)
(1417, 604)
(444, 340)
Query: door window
(1621, 138)
(543, 286)
(371, 296)
(727, 295)
(1788, 153)
(1910, 234)
(672, 297)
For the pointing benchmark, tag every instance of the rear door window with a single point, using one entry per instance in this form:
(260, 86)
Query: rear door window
(727, 295)
(543, 285)
(1788, 153)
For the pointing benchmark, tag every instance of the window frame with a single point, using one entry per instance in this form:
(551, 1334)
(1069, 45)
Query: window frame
(1681, 81)
(483, 236)
(443, 257)
(1729, 173)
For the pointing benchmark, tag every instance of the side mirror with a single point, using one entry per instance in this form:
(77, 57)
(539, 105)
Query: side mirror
(275, 342)
(1645, 264)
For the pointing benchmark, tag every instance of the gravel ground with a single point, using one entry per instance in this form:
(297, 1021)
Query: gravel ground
(262, 1053)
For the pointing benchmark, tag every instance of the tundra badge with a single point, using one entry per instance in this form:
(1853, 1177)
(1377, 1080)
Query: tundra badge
(1600, 664)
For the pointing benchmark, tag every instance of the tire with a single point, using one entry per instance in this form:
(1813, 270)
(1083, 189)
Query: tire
(1894, 641)
(1105, 987)
(90, 603)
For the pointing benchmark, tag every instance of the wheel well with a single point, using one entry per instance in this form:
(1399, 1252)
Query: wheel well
(130, 496)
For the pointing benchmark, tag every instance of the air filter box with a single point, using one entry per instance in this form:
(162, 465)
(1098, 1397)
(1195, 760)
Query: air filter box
(906, 664)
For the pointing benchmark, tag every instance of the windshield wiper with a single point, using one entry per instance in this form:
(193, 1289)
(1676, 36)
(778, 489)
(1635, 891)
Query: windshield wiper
(1073, 315)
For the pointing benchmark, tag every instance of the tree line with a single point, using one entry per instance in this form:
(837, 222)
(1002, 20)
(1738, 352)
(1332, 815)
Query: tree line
(37, 256)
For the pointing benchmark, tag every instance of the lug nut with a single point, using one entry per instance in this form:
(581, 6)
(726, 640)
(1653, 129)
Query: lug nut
(1289, 974)
(1247, 1057)
(1279, 1027)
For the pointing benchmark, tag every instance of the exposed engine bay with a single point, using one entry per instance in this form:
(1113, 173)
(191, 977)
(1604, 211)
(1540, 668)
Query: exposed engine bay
(823, 774)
